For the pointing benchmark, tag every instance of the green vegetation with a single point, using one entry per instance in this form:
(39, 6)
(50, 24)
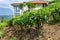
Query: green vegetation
(35, 19)
(42, 13)
(28, 4)
(2, 25)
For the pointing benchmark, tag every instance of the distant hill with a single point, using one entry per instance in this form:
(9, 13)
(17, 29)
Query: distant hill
(5, 11)
(6, 17)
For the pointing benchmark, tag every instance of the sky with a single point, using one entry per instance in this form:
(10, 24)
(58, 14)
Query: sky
(6, 8)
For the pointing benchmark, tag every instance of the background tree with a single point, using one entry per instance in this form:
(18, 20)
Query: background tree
(53, 1)
(30, 6)
(2, 18)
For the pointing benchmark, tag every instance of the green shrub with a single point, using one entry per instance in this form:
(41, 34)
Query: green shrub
(36, 18)
(2, 25)
(43, 13)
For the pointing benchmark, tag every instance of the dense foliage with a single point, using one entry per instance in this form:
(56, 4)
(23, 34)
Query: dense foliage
(36, 18)
(32, 16)
(2, 26)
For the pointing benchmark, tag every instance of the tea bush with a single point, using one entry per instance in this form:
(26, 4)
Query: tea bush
(43, 13)
(35, 18)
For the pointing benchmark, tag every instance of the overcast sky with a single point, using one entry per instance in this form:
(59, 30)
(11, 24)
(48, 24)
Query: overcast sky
(6, 8)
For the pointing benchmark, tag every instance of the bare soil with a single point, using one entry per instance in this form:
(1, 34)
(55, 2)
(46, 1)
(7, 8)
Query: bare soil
(50, 32)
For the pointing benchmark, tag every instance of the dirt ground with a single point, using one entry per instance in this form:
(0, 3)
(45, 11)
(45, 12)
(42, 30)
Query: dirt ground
(50, 32)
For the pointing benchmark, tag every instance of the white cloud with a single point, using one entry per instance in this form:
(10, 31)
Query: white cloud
(7, 3)
(1, 0)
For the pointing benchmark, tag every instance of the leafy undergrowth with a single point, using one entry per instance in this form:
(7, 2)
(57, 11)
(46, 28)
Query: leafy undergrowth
(2, 25)
(33, 19)
(41, 15)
